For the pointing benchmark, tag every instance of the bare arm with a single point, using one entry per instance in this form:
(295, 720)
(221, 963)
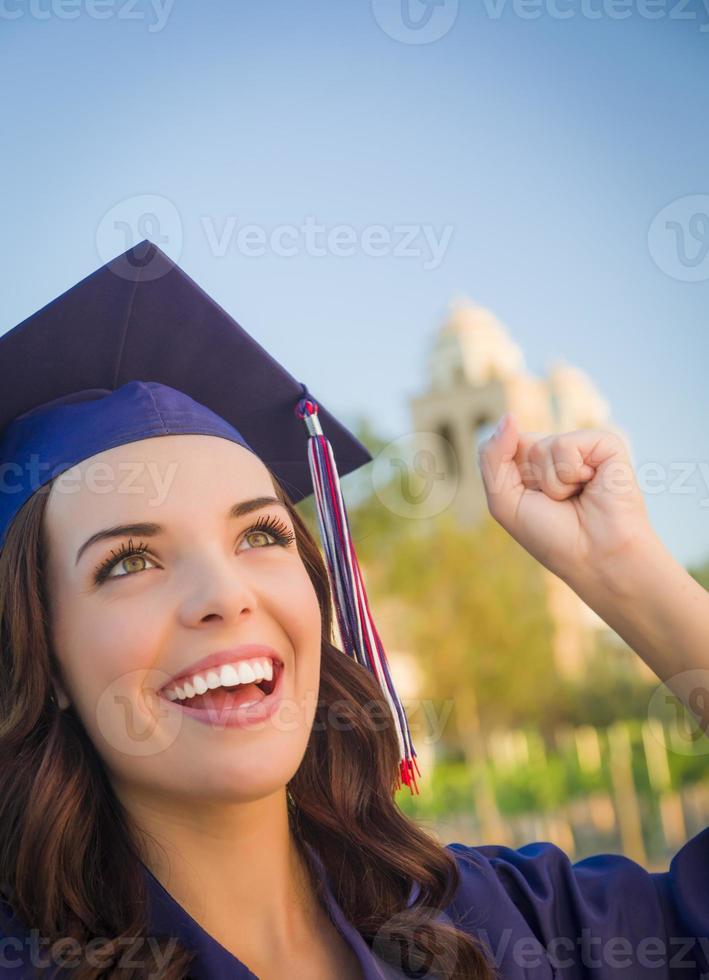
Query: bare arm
(572, 500)
(660, 611)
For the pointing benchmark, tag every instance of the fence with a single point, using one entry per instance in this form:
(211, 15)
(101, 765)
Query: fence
(637, 788)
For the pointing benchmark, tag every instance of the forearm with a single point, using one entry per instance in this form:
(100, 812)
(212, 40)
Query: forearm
(660, 611)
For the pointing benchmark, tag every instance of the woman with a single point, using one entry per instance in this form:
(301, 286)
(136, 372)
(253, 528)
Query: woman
(148, 829)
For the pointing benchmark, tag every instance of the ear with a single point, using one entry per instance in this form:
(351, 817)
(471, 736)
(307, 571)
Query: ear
(62, 698)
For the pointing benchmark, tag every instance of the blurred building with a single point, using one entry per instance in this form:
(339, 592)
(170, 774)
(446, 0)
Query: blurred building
(475, 373)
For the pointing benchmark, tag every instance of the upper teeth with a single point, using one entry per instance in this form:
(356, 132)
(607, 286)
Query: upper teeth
(243, 672)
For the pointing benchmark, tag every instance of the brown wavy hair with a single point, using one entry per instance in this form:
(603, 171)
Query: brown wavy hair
(70, 857)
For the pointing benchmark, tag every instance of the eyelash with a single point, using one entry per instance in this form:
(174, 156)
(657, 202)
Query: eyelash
(277, 529)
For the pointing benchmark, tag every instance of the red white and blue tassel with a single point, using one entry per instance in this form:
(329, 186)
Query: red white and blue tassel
(357, 630)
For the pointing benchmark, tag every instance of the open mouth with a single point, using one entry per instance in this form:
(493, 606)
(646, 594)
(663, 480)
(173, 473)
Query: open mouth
(226, 698)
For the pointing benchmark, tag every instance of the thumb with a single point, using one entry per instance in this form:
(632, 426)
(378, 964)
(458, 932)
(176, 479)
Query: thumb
(500, 473)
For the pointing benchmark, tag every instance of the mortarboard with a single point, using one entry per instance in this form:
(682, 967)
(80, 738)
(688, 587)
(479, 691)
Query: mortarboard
(137, 349)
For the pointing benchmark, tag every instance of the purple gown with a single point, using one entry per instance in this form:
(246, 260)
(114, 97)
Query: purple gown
(542, 917)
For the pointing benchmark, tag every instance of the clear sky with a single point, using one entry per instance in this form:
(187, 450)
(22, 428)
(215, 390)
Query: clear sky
(531, 144)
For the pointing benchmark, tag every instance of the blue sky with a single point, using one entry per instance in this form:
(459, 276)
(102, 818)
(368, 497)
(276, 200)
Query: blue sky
(546, 146)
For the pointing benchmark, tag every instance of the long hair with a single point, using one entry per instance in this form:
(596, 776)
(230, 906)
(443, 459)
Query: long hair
(69, 854)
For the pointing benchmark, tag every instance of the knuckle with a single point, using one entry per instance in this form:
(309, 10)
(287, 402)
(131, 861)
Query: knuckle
(566, 441)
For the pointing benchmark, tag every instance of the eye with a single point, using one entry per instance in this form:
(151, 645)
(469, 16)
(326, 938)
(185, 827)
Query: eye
(270, 527)
(126, 553)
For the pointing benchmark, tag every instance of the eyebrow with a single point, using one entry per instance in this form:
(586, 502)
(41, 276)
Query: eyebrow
(149, 529)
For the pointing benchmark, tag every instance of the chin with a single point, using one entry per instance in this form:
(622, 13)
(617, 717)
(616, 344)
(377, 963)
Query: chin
(237, 779)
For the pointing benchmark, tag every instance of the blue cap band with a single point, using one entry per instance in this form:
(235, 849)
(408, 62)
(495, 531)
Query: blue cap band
(40, 445)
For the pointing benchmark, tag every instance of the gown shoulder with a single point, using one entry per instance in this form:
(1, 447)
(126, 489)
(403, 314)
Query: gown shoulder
(543, 916)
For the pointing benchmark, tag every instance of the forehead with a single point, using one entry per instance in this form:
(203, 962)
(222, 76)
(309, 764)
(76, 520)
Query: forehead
(162, 475)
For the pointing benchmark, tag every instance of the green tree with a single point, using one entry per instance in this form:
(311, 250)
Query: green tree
(477, 620)
(701, 574)
(611, 688)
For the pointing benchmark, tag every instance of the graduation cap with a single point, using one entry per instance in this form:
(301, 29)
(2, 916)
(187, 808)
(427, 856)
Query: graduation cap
(136, 350)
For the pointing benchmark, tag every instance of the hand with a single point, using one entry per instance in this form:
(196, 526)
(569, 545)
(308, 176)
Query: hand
(571, 500)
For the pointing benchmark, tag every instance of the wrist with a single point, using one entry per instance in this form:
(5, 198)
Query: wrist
(655, 605)
(630, 574)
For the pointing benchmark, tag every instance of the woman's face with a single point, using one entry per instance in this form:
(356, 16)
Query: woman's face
(206, 582)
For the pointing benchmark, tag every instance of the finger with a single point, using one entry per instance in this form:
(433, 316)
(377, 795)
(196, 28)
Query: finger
(556, 463)
(529, 469)
(557, 467)
(570, 464)
(501, 478)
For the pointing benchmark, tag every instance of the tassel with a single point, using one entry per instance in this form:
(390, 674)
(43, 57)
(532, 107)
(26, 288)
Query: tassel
(357, 630)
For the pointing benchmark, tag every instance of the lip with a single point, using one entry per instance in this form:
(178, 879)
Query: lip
(237, 716)
(245, 651)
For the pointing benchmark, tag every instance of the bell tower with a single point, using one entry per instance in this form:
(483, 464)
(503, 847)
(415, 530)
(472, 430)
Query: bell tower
(474, 373)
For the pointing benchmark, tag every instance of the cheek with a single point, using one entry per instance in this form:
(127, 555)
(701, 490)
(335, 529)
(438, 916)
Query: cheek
(300, 613)
(101, 649)
(297, 612)
(107, 660)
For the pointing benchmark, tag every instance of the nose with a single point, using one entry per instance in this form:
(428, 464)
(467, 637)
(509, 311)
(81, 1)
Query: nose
(215, 585)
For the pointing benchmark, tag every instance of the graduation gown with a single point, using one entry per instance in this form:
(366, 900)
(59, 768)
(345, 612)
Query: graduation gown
(542, 917)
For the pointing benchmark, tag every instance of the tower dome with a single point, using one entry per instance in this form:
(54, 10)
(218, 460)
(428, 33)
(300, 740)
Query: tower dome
(472, 348)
